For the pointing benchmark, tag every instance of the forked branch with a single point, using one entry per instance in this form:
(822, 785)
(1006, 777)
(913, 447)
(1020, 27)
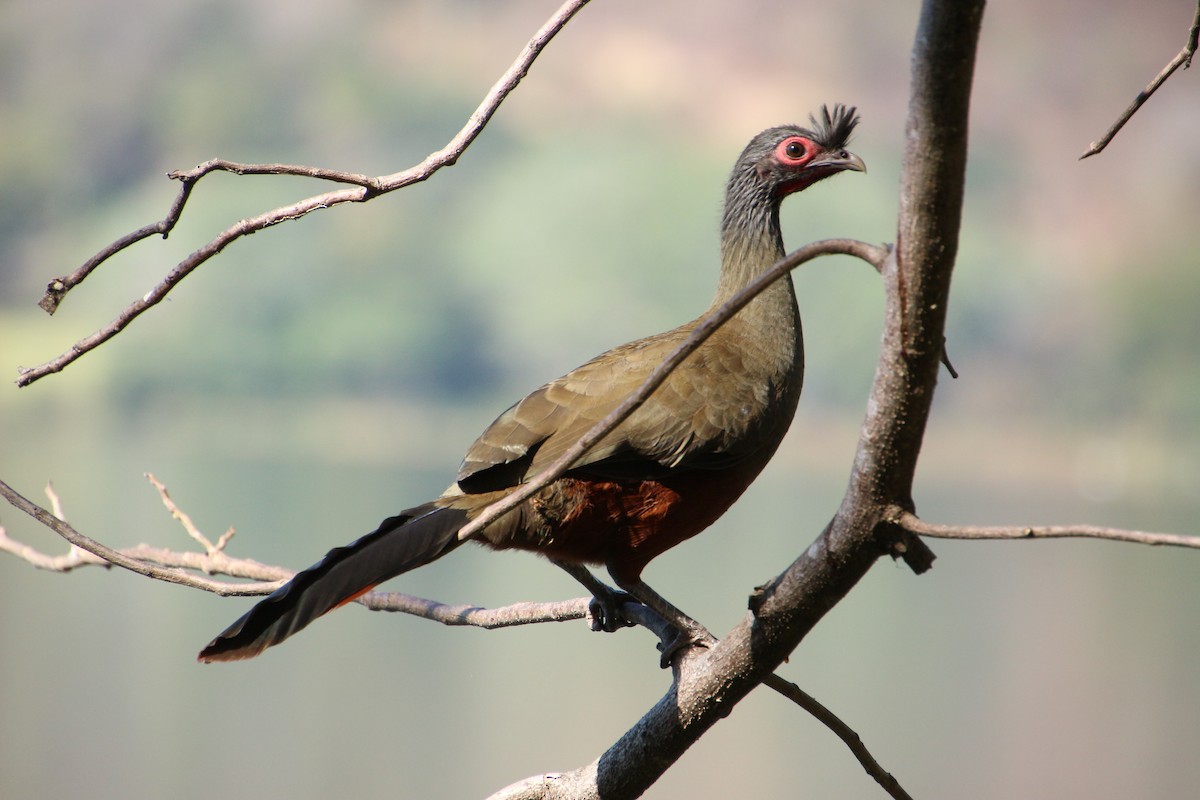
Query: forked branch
(172, 566)
(362, 188)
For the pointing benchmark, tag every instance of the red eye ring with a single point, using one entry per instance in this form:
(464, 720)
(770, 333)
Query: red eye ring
(794, 150)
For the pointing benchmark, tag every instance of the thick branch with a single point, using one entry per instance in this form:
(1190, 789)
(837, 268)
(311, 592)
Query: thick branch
(710, 682)
(1182, 59)
(917, 287)
(364, 189)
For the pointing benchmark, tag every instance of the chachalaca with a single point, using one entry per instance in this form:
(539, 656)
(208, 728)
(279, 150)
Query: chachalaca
(663, 475)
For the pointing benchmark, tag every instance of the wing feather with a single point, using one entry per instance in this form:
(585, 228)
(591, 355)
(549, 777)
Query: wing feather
(692, 420)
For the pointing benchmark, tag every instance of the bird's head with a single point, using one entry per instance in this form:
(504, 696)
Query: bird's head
(778, 162)
(789, 158)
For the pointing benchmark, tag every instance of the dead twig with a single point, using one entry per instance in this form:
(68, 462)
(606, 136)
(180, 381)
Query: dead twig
(915, 525)
(186, 521)
(363, 188)
(171, 566)
(1182, 59)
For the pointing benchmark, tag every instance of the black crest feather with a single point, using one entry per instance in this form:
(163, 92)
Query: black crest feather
(833, 129)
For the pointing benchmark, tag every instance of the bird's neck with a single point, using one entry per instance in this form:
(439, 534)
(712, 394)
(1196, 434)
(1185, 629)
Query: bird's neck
(766, 333)
(751, 242)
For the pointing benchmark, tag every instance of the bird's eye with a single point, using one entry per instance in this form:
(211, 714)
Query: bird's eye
(794, 152)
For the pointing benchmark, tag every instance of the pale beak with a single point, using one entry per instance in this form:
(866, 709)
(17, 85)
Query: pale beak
(837, 160)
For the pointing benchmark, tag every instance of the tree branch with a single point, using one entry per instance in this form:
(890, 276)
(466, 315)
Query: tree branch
(842, 731)
(120, 559)
(364, 189)
(214, 561)
(875, 255)
(917, 278)
(709, 682)
(919, 527)
(170, 565)
(1182, 58)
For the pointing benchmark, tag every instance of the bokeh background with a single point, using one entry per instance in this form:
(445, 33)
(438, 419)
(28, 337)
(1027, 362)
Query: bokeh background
(324, 374)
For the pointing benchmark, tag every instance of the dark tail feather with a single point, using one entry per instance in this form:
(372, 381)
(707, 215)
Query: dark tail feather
(415, 537)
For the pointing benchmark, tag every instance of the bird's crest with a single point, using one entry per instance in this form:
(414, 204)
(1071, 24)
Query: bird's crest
(833, 129)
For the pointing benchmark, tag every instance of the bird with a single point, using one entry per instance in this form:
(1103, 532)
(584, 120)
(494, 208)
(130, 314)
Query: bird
(666, 473)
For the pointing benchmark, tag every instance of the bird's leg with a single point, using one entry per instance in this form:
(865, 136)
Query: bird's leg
(605, 606)
(690, 632)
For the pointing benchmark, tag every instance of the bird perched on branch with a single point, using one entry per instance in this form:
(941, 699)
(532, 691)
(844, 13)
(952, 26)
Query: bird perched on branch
(660, 477)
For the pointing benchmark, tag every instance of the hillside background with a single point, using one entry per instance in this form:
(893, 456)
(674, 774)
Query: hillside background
(324, 374)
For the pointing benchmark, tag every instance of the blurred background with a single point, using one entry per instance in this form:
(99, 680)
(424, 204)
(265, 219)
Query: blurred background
(324, 374)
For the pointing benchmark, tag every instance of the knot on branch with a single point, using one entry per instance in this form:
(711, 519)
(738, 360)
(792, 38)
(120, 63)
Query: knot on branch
(55, 291)
(902, 544)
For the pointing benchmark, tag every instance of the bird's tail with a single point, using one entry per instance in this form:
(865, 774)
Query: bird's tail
(413, 538)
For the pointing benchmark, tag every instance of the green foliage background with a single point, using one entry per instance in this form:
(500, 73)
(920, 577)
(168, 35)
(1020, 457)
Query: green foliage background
(324, 374)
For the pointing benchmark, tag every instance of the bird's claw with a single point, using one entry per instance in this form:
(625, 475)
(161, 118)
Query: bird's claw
(683, 639)
(604, 611)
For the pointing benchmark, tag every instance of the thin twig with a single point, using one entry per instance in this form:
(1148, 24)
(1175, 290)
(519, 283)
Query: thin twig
(842, 731)
(55, 501)
(872, 254)
(914, 524)
(74, 555)
(182, 518)
(526, 613)
(363, 189)
(165, 565)
(299, 170)
(475, 616)
(57, 289)
(1182, 58)
(150, 570)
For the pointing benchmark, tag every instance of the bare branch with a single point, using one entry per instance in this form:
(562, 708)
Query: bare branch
(550, 784)
(299, 170)
(147, 568)
(525, 613)
(214, 561)
(913, 524)
(474, 616)
(184, 519)
(872, 254)
(917, 279)
(842, 731)
(1182, 58)
(364, 188)
(57, 289)
(167, 565)
(63, 563)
